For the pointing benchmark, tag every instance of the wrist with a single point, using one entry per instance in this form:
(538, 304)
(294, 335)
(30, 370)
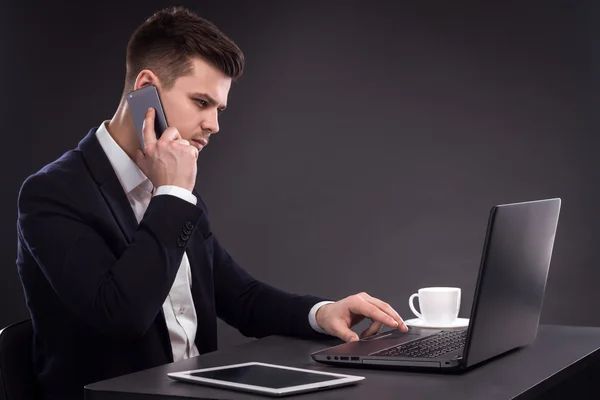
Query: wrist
(320, 315)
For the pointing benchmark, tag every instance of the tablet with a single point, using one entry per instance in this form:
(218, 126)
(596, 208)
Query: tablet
(269, 379)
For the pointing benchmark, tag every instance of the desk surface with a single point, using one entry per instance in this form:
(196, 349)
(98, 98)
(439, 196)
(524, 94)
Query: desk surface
(558, 352)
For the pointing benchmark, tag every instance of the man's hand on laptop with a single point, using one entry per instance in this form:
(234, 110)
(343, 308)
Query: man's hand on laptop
(337, 318)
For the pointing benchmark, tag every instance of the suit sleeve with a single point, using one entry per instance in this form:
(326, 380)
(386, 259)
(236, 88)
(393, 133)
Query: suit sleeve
(115, 295)
(255, 308)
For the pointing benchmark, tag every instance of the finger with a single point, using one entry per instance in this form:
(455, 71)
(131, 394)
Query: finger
(386, 308)
(373, 329)
(140, 160)
(148, 128)
(170, 134)
(343, 332)
(183, 142)
(360, 306)
(195, 151)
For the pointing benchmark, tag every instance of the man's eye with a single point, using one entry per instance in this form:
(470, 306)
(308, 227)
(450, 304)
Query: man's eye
(203, 103)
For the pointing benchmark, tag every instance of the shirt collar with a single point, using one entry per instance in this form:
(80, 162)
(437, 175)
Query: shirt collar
(129, 174)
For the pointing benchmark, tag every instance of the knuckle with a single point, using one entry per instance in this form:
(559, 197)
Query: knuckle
(170, 130)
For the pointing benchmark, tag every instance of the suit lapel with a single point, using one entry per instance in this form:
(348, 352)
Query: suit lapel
(119, 204)
(108, 183)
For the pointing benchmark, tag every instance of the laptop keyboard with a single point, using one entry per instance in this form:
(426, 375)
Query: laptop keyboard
(428, 347)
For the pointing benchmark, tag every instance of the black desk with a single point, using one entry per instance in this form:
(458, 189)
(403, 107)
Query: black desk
(562, 363)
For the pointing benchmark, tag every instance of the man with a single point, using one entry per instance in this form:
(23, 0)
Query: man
(119, 265)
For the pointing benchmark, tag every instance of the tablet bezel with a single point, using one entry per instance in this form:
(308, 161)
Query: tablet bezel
(343, 379)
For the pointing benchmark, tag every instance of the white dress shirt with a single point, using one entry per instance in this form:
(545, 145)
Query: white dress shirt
(178, 308)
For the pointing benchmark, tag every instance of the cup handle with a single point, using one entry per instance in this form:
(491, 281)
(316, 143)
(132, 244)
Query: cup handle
(412, 306)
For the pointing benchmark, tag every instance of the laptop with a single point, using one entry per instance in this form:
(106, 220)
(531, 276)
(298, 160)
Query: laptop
(506, 307)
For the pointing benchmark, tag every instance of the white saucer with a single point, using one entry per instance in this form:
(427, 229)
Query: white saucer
(418, 322)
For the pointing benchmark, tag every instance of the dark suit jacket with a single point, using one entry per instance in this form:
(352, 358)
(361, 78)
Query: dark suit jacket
(95, 281)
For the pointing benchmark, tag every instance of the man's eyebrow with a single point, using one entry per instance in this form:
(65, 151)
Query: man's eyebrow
(209, 99)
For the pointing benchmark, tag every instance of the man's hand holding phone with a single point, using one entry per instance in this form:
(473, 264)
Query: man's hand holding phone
(170, 160)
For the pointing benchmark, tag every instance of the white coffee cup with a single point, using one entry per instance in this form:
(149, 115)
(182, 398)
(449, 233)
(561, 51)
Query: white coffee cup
(439, 305)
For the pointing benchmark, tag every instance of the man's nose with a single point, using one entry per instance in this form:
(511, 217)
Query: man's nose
(211, 123)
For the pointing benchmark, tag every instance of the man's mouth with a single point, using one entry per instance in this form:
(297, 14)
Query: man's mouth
(199, 143)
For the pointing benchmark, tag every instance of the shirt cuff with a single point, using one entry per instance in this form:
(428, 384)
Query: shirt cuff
(312, 316)
(176, 191)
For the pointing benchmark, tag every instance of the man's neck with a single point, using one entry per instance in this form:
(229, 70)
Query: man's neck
(122, 130)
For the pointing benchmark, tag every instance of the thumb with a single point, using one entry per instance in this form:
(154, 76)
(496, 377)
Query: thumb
(344, 333)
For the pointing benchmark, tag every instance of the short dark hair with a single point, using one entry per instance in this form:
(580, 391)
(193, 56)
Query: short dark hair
(167, 41)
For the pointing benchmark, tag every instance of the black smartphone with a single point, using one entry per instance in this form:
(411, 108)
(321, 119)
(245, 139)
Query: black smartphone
(139, 102)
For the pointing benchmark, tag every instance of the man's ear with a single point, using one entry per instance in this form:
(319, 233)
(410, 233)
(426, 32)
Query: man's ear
(145, 78)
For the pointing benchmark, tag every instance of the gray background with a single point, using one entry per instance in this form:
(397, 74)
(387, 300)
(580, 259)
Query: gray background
(364, 145)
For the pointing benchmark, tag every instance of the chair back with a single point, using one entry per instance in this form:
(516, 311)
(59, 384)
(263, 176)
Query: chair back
(17, 381)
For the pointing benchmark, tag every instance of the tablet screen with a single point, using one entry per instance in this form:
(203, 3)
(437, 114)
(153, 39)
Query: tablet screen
(259, 375)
